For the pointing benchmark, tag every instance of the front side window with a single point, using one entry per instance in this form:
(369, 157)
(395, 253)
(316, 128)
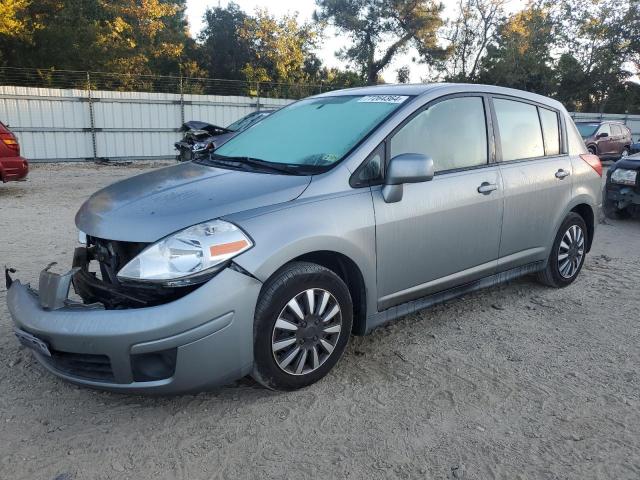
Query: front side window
(604, 128)
(452, 132)
(551, 131)
(317, 132)
(520, 132)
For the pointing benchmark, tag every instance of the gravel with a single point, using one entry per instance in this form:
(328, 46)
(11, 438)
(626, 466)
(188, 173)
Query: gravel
(513, 382)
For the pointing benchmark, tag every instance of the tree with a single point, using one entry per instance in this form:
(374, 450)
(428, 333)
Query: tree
(469, 34)
(224, 52)
(520, 55)
(143, 36)
(381, 29)
(279, 48)
(597, 36)
(403, 74)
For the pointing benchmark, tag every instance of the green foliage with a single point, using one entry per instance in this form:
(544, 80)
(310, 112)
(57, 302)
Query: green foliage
(381, 29)
(224, 54)
(520, 56)
(583, 52)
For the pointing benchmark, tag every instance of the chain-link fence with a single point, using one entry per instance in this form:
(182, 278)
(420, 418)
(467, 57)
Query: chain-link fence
(84, 80)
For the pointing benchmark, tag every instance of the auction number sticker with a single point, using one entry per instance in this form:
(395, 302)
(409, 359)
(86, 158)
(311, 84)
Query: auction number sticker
(383, 99)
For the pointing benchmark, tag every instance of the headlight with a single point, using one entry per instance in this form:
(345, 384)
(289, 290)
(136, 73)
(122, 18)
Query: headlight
(188, 256)
(624, 176)
(200, 146)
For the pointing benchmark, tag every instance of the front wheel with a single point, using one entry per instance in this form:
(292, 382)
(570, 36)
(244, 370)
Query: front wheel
(302, 325)
(567, 254)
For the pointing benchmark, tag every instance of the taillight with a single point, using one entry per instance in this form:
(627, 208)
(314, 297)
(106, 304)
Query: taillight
(10, 141)
(593, 161)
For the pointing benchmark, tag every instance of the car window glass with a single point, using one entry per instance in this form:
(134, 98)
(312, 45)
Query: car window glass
(452, 132)
(617, 130)
(604, 128)
(574, 141)
(317, 131)
(551, 130)
(371, 170)
(520, 132)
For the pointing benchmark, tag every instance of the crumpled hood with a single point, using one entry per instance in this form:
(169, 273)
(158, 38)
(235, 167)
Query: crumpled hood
(150, 206)
(632, 162)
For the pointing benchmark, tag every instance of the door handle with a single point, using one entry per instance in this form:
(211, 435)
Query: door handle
(562, 174)
(486, 188)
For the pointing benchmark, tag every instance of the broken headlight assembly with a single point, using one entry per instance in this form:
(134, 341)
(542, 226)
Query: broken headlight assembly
(624, 176)
(189, 256)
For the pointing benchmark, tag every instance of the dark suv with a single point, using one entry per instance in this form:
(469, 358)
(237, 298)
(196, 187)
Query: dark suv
(608, 140)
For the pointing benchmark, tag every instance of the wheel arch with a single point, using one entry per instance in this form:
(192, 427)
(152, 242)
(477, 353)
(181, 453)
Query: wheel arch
(351, 275)
(587, 214)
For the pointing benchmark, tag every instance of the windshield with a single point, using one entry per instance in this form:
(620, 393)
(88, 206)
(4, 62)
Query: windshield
(587, 129)
(246, 121)
(316, 132)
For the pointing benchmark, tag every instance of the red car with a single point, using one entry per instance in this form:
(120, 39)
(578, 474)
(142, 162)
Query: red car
(12, 166)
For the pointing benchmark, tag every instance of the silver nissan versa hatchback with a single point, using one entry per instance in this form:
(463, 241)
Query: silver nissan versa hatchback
(330, 217)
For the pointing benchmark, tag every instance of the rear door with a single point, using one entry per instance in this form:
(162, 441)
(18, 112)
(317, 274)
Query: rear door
(536, 172)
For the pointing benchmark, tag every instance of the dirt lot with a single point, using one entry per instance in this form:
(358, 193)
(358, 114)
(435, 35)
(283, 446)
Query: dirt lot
(514, 382)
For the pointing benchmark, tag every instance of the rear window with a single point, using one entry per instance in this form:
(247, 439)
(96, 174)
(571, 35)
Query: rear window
(520, 132)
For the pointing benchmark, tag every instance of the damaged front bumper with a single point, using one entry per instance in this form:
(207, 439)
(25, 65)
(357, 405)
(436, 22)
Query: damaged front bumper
(199, 341)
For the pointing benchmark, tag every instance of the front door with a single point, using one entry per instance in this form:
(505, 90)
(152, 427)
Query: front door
(444, 232)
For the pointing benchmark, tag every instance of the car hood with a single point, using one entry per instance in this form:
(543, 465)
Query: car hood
(632, 162)
(150, 206)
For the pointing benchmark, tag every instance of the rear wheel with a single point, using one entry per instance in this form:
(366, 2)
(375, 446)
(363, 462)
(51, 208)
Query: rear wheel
(592, 150)
(625, 152)
(302, 325)
(567, 254)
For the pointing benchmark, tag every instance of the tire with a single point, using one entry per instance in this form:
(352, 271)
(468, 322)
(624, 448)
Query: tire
(625, 152)
(592, 150)
(556, 274)
(279, 330)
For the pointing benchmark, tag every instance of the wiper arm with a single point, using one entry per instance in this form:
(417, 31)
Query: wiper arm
(256, 163)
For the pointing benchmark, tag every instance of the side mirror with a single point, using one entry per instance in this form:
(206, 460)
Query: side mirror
(405, 168)
(602, 135)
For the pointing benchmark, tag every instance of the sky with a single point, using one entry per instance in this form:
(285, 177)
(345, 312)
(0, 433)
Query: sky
(332, 41)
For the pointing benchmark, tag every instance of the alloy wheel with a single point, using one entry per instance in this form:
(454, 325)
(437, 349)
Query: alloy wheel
(571, 251)
(306, 331)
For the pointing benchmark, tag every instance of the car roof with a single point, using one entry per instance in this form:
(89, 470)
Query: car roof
(419, 89)
(600, 122)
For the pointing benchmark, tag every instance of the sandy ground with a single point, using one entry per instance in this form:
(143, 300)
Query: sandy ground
(515, 382)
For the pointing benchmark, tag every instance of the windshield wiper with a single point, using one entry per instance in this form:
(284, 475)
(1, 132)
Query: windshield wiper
(256, 163)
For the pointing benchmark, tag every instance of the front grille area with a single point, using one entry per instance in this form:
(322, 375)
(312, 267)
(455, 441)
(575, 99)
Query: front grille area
(81, 365)
(102, 286)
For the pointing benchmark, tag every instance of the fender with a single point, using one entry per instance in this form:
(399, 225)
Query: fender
(344, 224)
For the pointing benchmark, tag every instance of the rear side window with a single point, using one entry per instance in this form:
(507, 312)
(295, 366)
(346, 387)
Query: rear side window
(452, 132)
(616, 131)
(520, 132)
(550, 131)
